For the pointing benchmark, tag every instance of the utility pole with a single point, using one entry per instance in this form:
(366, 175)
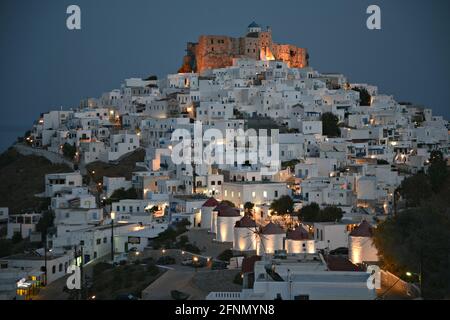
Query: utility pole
(82, 276)
(45, 257)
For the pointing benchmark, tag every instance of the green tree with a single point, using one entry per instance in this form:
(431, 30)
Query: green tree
(225, 255)
(45, 222)
(330, 126)
(437, 171)
(121, 194)
(248, 207)
(418, 240)
(69, 150)
(313, 213)
(283, 205)
(364, 96)
(331, 213)
(310, 212)
(415, 189)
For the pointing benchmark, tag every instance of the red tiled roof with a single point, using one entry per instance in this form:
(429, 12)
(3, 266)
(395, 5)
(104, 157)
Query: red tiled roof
(248, 263)
(272, 228)
(245, 222)
(339, 263)
(363, 230)
(211, 202)
(221, 206)
(298, 233)
(229, 212)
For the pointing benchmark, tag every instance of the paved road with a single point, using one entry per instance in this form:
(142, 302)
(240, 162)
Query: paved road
(180, 280)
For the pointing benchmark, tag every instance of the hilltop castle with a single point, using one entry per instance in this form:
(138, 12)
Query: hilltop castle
(212, 52)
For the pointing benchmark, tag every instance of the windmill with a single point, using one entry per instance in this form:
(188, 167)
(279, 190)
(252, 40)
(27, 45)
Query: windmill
(258, 238)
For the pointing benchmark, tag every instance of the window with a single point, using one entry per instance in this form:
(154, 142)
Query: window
(254, 194)
(265, 194)
(60, 267)
(276, 193)
(105, 240)
(54, 269)
(99, 241)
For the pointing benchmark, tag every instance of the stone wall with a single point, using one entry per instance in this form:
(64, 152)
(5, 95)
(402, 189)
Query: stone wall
(212, 52)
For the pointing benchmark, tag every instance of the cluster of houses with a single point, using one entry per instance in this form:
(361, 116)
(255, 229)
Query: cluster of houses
(356, 171)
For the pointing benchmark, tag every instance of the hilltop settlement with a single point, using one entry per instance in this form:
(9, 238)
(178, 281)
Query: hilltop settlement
(130, 198)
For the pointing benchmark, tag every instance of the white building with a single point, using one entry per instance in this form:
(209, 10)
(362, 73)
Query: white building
(360, 244)
(59, 182)
(23, 224)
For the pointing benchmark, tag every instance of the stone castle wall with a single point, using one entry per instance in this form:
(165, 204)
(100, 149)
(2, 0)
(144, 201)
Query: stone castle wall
(212, 52)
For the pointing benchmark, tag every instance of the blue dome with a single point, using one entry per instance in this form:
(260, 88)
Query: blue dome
(253, 25)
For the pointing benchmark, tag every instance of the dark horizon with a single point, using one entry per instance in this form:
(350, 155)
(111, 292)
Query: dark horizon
(46, 66)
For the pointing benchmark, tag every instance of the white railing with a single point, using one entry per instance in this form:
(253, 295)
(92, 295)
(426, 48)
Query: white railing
(224, 296)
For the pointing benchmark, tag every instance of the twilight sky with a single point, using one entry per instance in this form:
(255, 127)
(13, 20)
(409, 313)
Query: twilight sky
(44, 66)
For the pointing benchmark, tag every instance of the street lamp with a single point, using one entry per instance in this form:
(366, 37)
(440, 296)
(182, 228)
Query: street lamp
(113, 216)
(419, 275)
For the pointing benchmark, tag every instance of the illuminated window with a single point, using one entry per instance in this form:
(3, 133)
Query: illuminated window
(254, 194)
(265, 194)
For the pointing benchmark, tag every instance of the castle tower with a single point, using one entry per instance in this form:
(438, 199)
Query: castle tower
(254, 27)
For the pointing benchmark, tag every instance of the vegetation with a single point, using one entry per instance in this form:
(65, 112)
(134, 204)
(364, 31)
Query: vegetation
(415, 189)
(238, 279)
(225, 255)
(417, 239)
(69, 150)
(248, 207)
(183, 244)
(124, 168)
(17, 245)
(289, 164)
(110, 282)
(313, 213)
(437, 172)
(330, 126)
(364, 96)
(421, 186)
(46, 222)
(283, 205)
(121, 193)
(22, 178)
(167, 238)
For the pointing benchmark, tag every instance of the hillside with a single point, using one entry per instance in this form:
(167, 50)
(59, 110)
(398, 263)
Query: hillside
(123, 168)
(22, 177)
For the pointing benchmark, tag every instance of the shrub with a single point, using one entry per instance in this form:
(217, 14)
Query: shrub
(101, 267)
(225, 255)
(238, 279)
